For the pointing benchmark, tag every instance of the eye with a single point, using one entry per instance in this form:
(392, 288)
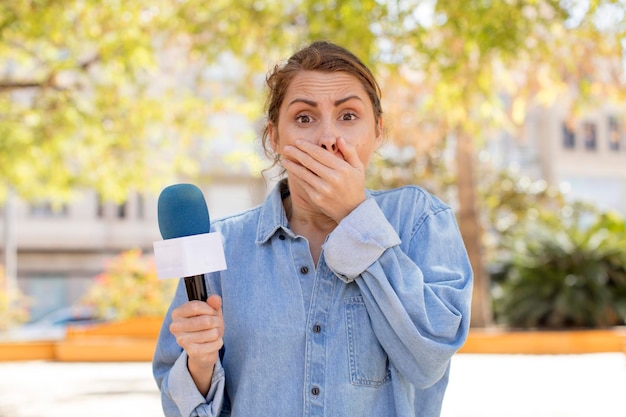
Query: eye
(304, 118)
(348, 117)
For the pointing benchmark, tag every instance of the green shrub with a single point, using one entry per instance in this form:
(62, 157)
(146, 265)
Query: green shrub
(564, 271)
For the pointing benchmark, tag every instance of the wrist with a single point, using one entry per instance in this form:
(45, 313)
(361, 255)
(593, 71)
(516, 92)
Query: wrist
(202, 373)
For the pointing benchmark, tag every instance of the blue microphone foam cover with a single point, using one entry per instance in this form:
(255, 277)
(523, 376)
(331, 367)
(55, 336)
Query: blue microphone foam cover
(182, 211)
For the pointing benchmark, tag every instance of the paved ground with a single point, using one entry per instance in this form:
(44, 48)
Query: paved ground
(537, 386)
(480, 386)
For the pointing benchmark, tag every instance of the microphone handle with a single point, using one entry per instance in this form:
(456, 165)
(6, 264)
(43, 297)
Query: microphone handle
(196, 288)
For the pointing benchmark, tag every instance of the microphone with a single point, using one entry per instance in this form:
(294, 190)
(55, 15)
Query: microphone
(188, 249)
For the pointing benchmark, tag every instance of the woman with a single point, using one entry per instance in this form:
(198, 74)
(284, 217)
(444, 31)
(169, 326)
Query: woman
(337, 300)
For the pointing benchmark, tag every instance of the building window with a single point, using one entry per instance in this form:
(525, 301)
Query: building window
(615, 134)
(99, 207)
(104, 209)
(49, 210)
(122, 210)
(569, 137)
(50, 293)
(590, 136)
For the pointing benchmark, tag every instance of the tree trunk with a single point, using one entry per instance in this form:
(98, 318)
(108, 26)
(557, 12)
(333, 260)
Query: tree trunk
(469, 224)
(10, 246)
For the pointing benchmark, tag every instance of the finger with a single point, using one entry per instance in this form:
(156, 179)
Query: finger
(313, 165)
(321, 175)
(205, 336)
(309, 180)
(300, 158)
(319, 155)
(300, 170)
(215, 301)
(349, 153)
(191, 309)
(195, 324)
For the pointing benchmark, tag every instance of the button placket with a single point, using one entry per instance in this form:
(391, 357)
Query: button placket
(316, 341)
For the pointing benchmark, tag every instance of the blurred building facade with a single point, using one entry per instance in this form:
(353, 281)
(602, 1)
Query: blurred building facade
(60, 250)
(585, 156)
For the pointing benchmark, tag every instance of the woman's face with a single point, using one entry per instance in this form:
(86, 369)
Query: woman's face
(319, 107)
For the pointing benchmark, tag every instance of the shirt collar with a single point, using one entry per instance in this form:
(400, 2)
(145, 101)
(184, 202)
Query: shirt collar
(273, 216)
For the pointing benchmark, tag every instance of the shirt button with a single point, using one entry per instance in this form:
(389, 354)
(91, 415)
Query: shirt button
(281, 237)
(317, 328)
(304, 270)
(315, 391)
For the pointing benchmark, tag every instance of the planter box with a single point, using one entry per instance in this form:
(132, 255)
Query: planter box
(105, 349)
(135, 340)
(26, 351)
(121, 341)
(138, 327)
(545, 342)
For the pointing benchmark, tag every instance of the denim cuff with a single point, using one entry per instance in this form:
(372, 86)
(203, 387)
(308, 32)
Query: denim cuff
(185, 394)
(359, 240)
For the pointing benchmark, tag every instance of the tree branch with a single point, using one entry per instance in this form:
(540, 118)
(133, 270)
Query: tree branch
(49, 82)
(19, 85)
(89, 62)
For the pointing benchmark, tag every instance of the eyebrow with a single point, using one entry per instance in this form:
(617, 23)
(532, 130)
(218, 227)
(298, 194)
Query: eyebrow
(314, 104)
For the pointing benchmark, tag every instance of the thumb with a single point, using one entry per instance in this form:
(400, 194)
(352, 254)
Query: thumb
(215, 301)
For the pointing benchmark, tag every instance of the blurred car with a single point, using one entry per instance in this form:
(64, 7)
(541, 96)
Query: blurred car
(53, 326)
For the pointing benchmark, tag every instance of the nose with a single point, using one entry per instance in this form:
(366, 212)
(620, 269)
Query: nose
(330, 146)
(328, 138)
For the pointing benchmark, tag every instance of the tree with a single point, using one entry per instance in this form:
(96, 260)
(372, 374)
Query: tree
(78, 107)
(114, 95)
(487, 62)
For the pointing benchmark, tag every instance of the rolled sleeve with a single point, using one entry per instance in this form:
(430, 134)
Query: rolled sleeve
(186, 395)
(359, 240)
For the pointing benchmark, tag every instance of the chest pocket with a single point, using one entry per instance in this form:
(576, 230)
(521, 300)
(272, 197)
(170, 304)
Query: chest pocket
(369, 364)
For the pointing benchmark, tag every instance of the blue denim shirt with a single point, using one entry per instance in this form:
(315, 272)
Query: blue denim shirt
(369, 332)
